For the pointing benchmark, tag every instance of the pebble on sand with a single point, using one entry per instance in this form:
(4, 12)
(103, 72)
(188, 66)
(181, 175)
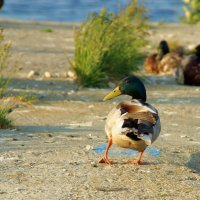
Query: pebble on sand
(32, 73)
(47, 74)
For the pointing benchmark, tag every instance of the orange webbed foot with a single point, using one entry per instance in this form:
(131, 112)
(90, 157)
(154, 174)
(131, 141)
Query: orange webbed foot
(105, 160)
(136, 162)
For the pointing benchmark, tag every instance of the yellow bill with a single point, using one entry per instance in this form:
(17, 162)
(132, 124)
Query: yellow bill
(116, 92)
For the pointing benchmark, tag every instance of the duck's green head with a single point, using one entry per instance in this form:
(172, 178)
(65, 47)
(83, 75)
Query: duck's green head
(131, 86)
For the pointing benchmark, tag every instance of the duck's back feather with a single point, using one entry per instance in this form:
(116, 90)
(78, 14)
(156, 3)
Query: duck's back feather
(134, 120)
(150, 64)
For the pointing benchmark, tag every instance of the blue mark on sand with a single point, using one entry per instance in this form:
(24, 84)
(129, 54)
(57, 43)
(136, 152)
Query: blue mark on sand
(101, 148)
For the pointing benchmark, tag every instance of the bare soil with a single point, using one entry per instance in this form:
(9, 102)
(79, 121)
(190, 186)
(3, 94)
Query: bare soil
(52, 151)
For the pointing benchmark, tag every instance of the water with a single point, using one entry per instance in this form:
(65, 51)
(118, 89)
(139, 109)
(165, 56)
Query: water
(100, 149)
(77, 10)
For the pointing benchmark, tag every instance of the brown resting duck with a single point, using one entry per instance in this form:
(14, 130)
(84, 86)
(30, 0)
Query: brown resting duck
(164, 61)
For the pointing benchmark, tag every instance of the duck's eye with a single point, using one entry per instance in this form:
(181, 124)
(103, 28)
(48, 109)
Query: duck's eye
(126, 82)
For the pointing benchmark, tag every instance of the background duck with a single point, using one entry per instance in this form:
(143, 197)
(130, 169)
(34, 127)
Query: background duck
(1, 3)
(132, 124)
(164, 61)
(189, 71)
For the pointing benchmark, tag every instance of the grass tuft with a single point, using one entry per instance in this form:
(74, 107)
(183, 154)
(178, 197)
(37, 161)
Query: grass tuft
(25, 97)
(47, 30)
(4, 54)
(5, 122)
(107, 45)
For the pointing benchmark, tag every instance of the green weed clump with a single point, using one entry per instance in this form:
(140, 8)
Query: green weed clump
(4, 53)
(107, 45)
(191, 12)
(47, 30)
(26, 97)
(5, 122)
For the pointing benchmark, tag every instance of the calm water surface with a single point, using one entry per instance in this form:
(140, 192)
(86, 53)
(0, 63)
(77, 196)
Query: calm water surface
(77, 10)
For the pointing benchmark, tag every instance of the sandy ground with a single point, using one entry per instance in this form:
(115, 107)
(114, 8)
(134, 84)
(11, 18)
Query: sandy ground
(54, 150)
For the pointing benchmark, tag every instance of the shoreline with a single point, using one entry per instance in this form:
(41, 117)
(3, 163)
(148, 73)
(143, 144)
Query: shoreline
(15, 23)
(186, 34)
(71, 24)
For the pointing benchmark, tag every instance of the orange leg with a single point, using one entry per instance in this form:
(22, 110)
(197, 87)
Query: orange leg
(138, 160)
(105, 157)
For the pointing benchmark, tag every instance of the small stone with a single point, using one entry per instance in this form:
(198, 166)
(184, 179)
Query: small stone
(176, 151)
(165, 135)
(189, 178)
(88, 147)
(44, 135)
(91, 106)
(184, 136)
(47, 74)
(71, 92)
(32, 73)
(93, 164)
(90, 136)
(71, 74)
(145, 171)
(21, 169)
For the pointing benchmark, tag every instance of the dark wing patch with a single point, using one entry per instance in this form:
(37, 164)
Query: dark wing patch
(145, 128)
(123, 110)
(137, 119)
(132, 136)
(131, 130)
(130, 123)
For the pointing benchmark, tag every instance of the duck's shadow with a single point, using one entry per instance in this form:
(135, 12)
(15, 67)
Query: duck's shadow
(194, 162)
(128, 163)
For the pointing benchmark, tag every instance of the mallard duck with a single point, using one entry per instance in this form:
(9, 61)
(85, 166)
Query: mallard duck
(189, 71)
(164, 61)
(132, 124)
